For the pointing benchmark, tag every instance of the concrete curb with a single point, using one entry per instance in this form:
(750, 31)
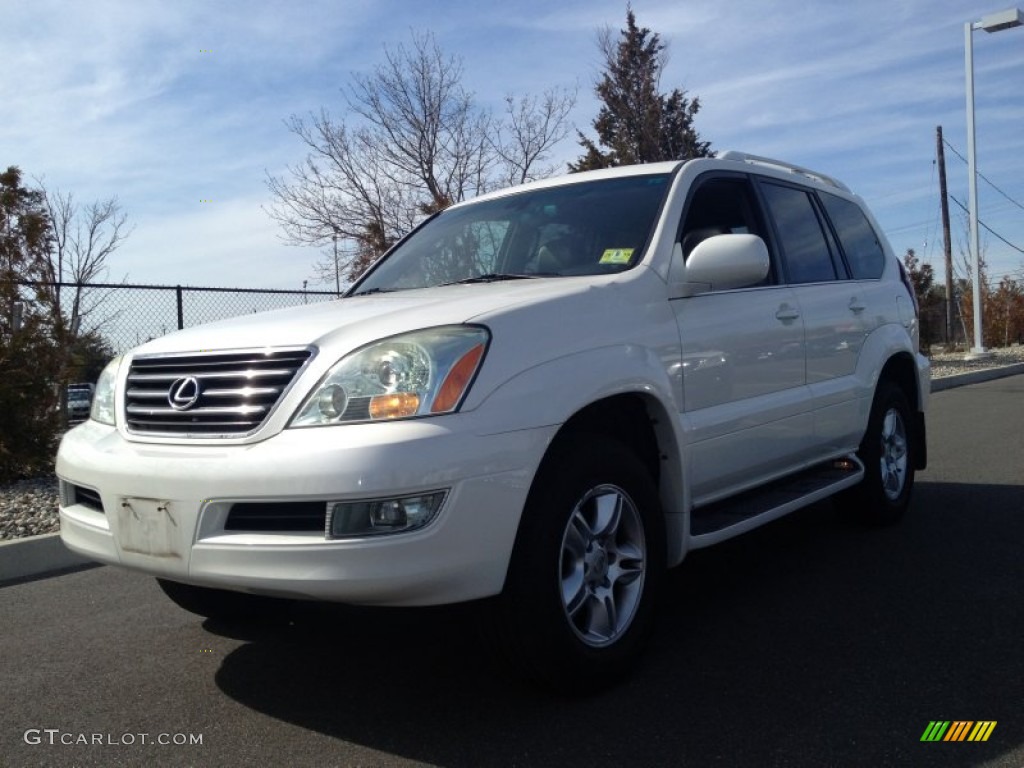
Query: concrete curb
(36, 556)
(976, 377)
(45, 554)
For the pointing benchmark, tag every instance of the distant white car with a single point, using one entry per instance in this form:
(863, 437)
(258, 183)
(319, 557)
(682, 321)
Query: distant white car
(546, 396)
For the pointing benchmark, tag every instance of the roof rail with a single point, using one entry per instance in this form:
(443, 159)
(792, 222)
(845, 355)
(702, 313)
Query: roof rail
(743, 157)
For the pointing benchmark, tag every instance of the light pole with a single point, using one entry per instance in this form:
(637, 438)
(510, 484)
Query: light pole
(992, 23)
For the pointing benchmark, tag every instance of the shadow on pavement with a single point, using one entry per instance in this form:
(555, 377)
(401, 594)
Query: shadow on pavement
(812, 641)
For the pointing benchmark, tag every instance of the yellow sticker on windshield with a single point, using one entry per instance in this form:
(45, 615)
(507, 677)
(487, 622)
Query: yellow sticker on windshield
(616, 256)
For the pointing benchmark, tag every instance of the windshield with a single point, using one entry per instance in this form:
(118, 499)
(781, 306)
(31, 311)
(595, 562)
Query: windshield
(589, 228)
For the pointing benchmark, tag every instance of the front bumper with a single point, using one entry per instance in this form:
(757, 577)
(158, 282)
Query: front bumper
(164, 508)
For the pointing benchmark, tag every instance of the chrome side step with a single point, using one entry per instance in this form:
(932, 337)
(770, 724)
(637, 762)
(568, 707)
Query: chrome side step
(746, 511)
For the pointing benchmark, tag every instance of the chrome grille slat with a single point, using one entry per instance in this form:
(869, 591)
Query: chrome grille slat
(157, 425)
(214, 362)
(246, 374)
(196, 412)
(202, 426)
(242, 392)
(143, 394)
(225, 404)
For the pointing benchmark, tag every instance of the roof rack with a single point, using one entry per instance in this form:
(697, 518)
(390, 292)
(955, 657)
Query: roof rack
(743, 157)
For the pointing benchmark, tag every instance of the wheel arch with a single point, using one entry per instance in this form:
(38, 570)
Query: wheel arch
(641, 423)
(901, 370)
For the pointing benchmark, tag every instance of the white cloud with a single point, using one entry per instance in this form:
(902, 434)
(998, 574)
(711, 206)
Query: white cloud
(224, 243)
(114, 97)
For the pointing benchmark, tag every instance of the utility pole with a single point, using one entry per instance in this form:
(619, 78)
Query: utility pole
(947, 248)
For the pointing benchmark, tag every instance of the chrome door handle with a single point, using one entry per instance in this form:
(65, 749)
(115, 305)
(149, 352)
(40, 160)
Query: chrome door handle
(787, 313)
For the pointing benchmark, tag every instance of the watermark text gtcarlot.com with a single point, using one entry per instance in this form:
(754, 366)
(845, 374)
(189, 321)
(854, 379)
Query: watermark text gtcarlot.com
(55, 736)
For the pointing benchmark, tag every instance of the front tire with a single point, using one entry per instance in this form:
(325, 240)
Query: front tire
(580, 595)
(884, 494)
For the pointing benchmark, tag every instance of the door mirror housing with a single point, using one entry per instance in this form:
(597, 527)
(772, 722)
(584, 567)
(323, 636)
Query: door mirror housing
(720, 263)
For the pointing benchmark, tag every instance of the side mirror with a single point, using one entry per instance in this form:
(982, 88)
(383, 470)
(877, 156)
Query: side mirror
(721, 263)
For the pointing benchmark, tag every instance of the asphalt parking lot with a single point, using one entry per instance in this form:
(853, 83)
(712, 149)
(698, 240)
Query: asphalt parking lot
(812, 641)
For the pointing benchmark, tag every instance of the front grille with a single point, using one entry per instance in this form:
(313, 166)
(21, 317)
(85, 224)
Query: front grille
(277, 516)
(224, 394)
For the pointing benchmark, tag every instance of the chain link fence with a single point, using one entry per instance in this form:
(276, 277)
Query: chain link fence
(129, 315)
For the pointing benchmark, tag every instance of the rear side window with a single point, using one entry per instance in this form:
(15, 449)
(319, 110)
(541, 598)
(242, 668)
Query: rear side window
(803, 242)
(857, 237)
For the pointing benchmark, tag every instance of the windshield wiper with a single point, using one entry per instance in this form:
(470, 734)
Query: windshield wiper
(490, 277)
(368, 291)
(494, 277)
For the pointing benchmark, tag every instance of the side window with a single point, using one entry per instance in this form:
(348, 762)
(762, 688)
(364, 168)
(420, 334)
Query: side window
(720, 206)
(803, 242)
(857, 237)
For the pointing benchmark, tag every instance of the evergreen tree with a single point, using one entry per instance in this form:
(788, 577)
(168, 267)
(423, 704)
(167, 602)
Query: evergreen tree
(931, 298)
(29, 358)
(636, 123)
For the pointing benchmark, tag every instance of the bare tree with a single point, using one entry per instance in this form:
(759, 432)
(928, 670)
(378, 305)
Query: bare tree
(82, 239)
(341, 188)
(415, 142)
(532, 126)
(423, 123)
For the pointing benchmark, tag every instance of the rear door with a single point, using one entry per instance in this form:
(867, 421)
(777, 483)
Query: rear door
(835, 309)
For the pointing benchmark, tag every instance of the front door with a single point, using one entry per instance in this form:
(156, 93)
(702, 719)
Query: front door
(745, 402)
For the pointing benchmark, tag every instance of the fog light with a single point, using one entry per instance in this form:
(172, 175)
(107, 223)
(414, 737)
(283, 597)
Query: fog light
(373, 517)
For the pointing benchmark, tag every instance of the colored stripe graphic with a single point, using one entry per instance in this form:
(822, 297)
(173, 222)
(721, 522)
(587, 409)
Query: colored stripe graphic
(982, 730)
(958, 730)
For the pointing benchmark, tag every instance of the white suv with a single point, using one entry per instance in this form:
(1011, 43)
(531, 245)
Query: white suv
(546, 396)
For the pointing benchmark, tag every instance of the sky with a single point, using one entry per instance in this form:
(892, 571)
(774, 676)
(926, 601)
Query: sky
(178, 108)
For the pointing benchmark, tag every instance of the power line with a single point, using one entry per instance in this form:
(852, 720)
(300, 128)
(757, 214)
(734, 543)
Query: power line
(983, 176)
(987, 227)
(905, 227)
(930, 233)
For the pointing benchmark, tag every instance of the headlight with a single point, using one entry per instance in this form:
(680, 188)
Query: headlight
(416, 374)
(103, 407)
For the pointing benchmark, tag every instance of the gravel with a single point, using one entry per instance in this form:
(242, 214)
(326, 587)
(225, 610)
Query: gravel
(952, 363)
(29, 507)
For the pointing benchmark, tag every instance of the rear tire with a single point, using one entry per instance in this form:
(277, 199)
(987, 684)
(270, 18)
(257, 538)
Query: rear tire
(883, 495)
(580, 596)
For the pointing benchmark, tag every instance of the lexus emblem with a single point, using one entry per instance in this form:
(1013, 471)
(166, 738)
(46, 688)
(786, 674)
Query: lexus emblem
(184, 393)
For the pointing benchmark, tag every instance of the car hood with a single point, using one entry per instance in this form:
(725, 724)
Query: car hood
(351, 322)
